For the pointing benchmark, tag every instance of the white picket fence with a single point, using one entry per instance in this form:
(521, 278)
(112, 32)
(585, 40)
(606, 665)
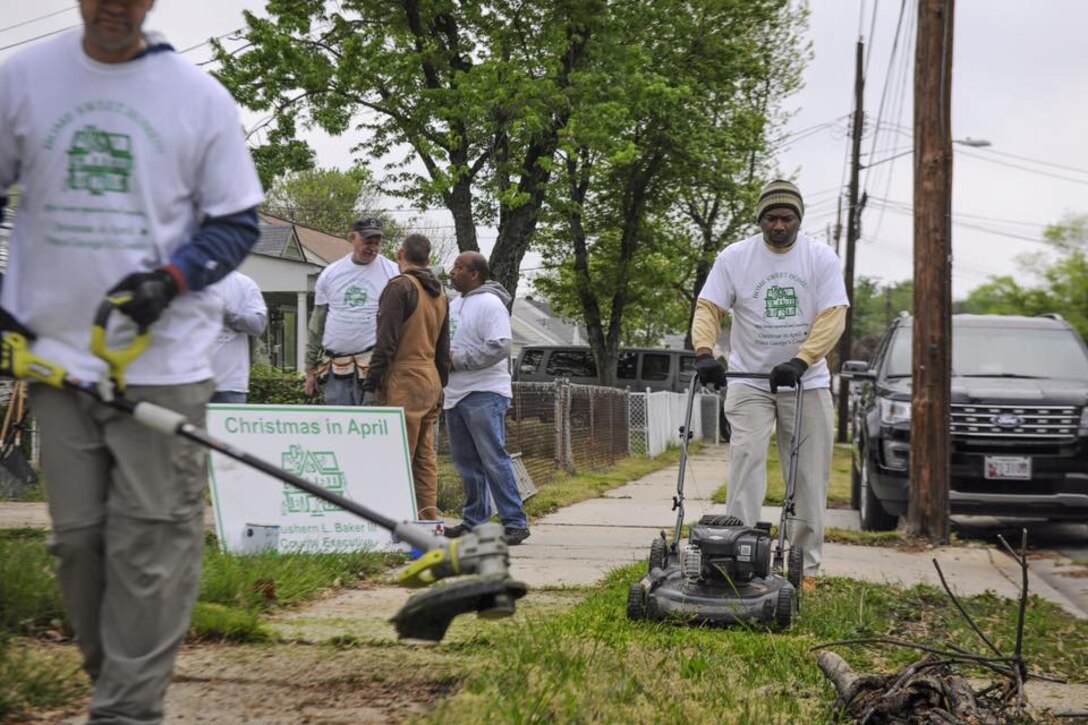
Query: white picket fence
(656, 418)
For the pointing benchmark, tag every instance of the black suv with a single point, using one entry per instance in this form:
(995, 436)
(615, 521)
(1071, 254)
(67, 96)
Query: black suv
(1019, 420)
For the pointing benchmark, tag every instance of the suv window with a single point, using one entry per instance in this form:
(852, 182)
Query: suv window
(1002, 353)
(571, 364)
(530, 361)
(687, 367)
(626, 364)
(655, 366)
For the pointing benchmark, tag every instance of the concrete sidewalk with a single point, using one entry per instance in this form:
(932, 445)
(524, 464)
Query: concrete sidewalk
(578, 544)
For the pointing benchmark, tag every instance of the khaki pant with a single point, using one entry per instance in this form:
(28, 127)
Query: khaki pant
(752, 413)
(127, 510)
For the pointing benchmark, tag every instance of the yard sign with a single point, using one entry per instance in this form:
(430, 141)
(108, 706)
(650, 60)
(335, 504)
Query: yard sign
(359, 453)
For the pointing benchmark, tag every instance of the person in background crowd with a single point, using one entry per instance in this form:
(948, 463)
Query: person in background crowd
(245, 315)
(477, 397)
(411, 361)
(344, 326)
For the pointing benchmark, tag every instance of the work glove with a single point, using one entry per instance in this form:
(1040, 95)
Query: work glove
(14, 339)
(151, 293)
(788, 374)
(710, 371)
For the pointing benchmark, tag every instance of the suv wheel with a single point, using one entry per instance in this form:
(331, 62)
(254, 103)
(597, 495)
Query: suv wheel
(873, 516)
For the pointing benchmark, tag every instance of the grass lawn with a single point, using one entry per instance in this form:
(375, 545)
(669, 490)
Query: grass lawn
(235, 592)
(590, 664)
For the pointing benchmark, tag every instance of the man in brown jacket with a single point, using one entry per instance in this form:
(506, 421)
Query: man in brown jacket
(411, 360)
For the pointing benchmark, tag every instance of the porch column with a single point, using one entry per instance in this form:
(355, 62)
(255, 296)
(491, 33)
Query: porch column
(301, 322)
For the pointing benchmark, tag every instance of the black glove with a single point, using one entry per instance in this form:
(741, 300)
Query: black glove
(151, 293)
(710, 371)
(788, 374)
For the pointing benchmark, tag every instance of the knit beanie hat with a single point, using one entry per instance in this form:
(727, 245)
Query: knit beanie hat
(780, 193)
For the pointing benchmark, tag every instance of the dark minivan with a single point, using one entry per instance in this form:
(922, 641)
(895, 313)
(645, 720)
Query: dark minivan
(636, 368)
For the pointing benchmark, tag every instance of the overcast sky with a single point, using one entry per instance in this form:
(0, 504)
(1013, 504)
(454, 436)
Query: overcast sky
(1018, 82)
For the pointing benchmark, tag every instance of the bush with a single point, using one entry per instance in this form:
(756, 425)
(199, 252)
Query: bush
(273, 386)
(30, 596)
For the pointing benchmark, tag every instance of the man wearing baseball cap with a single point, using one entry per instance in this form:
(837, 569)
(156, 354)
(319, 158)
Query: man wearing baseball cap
(788, 302)
(344, 325)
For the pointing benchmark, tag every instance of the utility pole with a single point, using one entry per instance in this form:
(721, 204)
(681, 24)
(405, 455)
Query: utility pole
(838, 226)
(853, 229)
(930, 410)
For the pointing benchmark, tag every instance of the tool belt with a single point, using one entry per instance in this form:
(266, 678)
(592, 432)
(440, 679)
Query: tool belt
(344, 366)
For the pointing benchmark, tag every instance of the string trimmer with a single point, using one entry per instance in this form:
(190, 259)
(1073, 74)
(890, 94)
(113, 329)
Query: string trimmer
(480, 558)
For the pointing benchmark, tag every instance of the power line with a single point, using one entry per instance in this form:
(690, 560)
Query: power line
(1035, 161)
(38, 37)
(34, 20)
(1023, 168)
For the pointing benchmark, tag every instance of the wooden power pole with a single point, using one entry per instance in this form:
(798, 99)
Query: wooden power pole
(853, 229)
(930, 410)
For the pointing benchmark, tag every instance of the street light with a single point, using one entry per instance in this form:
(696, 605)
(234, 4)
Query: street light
(972, 142)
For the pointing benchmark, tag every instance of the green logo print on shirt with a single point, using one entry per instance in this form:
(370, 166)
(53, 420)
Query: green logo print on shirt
(99, 161)
(355, 296)
(780, 302)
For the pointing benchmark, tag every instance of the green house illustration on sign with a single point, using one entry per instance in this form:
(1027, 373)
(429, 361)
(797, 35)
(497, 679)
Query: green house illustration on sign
(318, 467)
(99, 161)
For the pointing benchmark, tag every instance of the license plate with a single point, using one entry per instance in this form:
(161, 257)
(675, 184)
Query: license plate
(1007, 467)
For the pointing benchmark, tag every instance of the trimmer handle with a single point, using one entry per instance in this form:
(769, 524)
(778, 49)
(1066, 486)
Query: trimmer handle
(118, 359)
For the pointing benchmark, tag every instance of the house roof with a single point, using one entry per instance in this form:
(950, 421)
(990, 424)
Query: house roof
(532, 323)
(315, 246)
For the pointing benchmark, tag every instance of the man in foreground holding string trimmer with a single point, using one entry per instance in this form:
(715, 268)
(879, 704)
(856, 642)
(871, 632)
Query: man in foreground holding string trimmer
(135, 182)
(134, 178)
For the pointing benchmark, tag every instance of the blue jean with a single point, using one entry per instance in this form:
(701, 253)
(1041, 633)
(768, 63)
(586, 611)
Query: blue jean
(229, 396)
(477, 432)
(343, 391)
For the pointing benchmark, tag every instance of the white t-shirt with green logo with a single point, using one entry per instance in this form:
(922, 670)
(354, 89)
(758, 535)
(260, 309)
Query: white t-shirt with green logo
(473, 321)
(774, 299)
(116, 166)
(351, 291)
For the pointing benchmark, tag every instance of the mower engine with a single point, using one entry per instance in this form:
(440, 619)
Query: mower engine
(727, 553)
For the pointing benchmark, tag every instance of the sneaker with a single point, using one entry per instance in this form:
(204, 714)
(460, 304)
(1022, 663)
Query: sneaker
(456, 532)
(513, 536)
(808, 585)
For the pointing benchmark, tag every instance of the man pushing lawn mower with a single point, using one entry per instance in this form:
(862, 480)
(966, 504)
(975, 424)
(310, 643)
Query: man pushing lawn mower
(788, 301)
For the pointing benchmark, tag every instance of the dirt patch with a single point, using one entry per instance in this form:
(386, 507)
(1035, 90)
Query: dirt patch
(339, 662)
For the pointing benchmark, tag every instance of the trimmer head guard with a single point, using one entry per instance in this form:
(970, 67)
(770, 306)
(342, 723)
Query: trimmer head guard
(427, 615)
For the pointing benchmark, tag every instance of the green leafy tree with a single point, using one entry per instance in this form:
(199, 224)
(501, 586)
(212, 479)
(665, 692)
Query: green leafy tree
(659, 113)
(325, 199)
(874, 307)
(1062, 273)
(474, 94)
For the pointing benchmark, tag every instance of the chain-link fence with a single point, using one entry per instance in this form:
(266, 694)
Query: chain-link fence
(559, 428)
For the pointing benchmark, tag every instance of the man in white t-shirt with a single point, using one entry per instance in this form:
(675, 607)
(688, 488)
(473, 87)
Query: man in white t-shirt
(788, 301)
(344, 325)
(133, 176)
(245, 315)
(477, 397)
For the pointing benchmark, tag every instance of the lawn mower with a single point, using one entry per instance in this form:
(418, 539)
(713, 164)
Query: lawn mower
(481, 555)
(726, 572)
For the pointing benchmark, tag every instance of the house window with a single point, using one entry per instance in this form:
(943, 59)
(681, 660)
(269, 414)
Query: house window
(571, 364)
(655, 366)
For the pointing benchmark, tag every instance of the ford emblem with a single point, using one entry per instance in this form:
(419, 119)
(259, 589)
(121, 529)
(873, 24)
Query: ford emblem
(1007, 420)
